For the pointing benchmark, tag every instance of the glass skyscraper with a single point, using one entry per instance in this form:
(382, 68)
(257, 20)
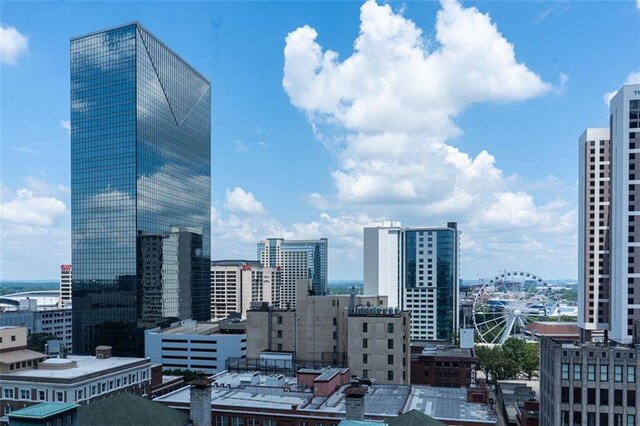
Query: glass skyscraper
(140, 189)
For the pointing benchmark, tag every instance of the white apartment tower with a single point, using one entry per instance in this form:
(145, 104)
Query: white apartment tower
(65, 285)
(417, 269)
(594, 232)
(625, 208)
(237, 283)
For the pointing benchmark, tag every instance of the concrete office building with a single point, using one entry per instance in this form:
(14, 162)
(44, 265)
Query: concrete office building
(140, 201)
(36, 319)
(237, 283)
(65, 285)
(296, 259)
(588, 384)
(417, 269)
(355, 331)
(190, 345)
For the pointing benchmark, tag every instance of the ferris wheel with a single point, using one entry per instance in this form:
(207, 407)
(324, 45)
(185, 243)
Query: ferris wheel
(504, 306)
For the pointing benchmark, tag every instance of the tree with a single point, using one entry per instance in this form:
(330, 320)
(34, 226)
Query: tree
(36, 341)
(507, 361)
(187, 375)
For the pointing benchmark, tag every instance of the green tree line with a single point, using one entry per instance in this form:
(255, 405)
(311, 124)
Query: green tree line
(504, 362)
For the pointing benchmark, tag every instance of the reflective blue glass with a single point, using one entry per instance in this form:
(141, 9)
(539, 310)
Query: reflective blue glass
(140, 182)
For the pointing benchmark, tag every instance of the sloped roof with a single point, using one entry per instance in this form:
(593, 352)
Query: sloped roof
(552, 329)
(414, 418)
(129, 409)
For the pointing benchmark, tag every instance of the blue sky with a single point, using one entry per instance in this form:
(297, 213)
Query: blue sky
(330, 116)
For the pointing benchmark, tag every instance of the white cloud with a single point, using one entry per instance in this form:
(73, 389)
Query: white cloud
(638, 4)
(66, 124)
(34, 228)
(240, 201)
(263, 144)
(387, 111)
(632, 78)
(13, 44)
(25, 150)
(241, 146)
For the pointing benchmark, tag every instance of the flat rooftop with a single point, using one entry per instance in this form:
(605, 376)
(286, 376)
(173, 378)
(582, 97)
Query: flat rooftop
(86, 365)
(448, 404)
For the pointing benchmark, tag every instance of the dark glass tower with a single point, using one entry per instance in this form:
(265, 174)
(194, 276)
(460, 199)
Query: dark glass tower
(140, 189)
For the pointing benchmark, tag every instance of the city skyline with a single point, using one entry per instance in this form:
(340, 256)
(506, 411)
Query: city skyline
(302, 150)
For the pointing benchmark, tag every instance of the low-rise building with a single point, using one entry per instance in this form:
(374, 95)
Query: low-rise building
(318, 398)
(73, 379)
(511, 396)
(442, 366)
(589, 383)
(200, 346)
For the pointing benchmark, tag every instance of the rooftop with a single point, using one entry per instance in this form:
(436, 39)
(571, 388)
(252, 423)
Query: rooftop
(448, 404)
(42, 411)
(20, 355)
(86, 365)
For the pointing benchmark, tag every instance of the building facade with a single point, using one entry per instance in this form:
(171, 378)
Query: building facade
(625, 208)
(296, 259)
(195, 346)
(594, 243)
(418, 268)
(355, 331)
(443, 366)
(65, 285)
(588, 384)
(140, 188)
(237, 283)
(57, 322)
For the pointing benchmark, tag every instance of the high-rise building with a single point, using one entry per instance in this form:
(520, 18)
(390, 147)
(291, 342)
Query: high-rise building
(297, 259)
(594, 232)
(140, 189)
(625, 208)
(417, 269)
(594, 381)
(65, 285)
(237, 283)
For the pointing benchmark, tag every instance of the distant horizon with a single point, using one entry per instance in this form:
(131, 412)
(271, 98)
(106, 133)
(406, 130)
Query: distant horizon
(340, 281)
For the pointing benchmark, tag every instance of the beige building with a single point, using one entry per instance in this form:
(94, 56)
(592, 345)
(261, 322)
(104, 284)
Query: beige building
(65, 285)
(331, 330)
(237, 283)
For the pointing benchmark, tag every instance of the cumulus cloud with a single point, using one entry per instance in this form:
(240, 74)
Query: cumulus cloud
(387, 113)
(240, 201)
(34, 228)
(241, 146)
(632, 78)
(13, 44)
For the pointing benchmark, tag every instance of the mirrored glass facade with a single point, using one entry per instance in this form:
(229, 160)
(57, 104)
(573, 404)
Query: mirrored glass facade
(141, 189)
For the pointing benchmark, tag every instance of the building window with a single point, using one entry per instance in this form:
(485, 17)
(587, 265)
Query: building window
(604, 373)
(390, 375)
(389, 343)
(565, 373)
(390, 359)
(564, 417)
(577, 371)
(253, 422)
(617, 373)
(13, 338)
(365, 358)
(279, 347)
(631, 420)
(604, 396)
(365, 327)
(617, 397)
(59, 396)
(237, 421)
(591, 396)
(390, 327)
(365, 343)
(8, 393)
(591, 372)
(269, 422)
(335, 321)
(42, 395)
(25, 394)
(631, 374)
(577, 395)
(279, 319)
(631, 398)
(279, 334)
(564, 394)
(365, 374)
(222, 421)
